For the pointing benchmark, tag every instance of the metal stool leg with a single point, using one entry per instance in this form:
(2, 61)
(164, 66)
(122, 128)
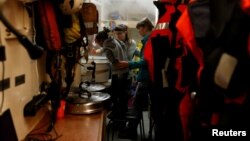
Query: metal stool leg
(151, 129)
(143, 129)
(113, 131)
(108, 129)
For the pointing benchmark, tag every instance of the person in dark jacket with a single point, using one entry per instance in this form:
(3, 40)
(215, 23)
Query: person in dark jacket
(115, 51)
(121, 33)
(144, 27)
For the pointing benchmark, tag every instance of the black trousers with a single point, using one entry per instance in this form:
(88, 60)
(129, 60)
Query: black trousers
(119, 93)
(140, 103)
(165, 113)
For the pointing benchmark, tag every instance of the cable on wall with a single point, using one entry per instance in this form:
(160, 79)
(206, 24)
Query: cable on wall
(2, 59)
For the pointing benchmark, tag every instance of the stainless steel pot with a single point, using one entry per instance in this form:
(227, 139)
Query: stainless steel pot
(102, 71)
(87, 105)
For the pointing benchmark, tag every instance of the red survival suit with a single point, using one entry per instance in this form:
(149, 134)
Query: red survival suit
(222, 92)
(160, 53)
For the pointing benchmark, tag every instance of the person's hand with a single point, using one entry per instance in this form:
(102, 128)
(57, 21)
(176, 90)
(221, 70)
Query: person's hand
(121, 64)
(93, 51)
(96, 51)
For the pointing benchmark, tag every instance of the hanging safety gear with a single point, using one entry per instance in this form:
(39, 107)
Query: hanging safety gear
(161, 55)
(49, 24)
(90, 18)
(69, 7)
(217, 36)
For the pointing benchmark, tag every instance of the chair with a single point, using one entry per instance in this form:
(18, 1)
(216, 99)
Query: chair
(130, 115)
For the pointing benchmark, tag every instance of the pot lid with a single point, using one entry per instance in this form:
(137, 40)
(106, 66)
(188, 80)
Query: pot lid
(96, 98)
(93, 87)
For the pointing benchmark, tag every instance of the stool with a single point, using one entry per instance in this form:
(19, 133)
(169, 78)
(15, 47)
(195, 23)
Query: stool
(130, 115)
(151, 127)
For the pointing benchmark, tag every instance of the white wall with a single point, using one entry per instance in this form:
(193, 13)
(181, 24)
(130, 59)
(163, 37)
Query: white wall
(18, 63)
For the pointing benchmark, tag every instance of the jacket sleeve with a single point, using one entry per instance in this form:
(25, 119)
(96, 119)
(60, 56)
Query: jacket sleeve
(108, 48)
(109, 54)
(137, 52)
(137, 64)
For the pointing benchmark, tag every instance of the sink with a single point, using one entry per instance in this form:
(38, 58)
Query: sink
(87, 105)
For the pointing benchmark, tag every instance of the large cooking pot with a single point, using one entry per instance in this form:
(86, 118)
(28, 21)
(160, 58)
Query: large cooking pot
(102, 69)
(96, 102)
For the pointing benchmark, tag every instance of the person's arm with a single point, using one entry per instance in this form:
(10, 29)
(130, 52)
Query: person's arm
(98, 51)
(131, 64)
(137, 52)
(110, 56)
(108, 48)
(137, 64)
(141, 62)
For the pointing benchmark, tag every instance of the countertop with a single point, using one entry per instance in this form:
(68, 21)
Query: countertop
(74, 127)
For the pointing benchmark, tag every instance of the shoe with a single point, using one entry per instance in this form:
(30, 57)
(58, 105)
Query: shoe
(127, 134)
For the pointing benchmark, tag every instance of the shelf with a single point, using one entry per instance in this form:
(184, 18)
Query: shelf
(130, 24)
